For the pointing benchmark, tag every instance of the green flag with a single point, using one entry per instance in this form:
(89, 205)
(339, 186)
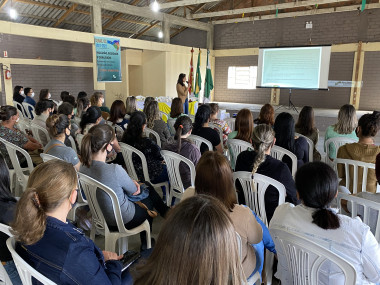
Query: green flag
(198, 78)
(209, 85)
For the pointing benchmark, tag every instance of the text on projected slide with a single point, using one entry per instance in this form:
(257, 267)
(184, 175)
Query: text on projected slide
(291, 68)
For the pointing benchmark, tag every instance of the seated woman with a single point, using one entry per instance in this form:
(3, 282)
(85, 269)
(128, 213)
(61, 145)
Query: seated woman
(118, 113)
(44, 94)
(220, 123)
(243, 126)
(130, 106)
(176, 109)
(48, 242)
(134, 137)
(146, 103)
(184, 147)
(266, 115)
(365, 150)
(285, 138)
(68, 109)
(95, 146)
(155, 122)
(91, 117)
(98, 100)
(306, 126)
(43, 110)
(82, 106)
(349, 238)
(203, 247)
(201, 128)
(246, 223)
(7, 213)
(58, 127)
(345, 127)
(260, 161)
(9, 117)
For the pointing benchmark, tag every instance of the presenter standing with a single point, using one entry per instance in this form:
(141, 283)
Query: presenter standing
(183, 91)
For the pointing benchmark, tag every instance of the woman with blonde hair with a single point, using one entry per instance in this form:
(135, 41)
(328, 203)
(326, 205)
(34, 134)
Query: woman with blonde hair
(58, 127)
(130, 106)
(345, 127)
(203, 247)
(98, 100)
(55, 248)
(260, 161)
(155, 122)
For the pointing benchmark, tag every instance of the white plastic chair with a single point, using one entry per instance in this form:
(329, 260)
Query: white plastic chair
(279, 152)
(355, 164)
(218, 129)
(127, 152)
(28, 108)
(173, 161)
(235, 147)
(4, 278)
(150, 133)
(337, 142)
(231, 123)
(118, 130)
(23, 125)
(90, 186)
(21, 176)
(199, 140)
(20, 109)
(38, 131)
(364, 208)
(25, 271)
(311, 146)
(256, 278)
(304, 258)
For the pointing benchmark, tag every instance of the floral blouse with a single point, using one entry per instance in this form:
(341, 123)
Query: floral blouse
(13, 136)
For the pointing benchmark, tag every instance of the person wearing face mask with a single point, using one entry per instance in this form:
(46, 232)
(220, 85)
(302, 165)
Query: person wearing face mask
(29, 95)
(68, 110)
(9, 117)
(98, 100)
(44, 94)
(44, 109)
(58, 127)
(18, 94)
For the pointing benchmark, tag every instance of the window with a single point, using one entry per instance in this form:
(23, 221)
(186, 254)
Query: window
(242, 77)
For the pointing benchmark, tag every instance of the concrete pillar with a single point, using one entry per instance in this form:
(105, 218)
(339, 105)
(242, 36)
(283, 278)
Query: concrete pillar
(210, 39)
(166, 32)
(96, 17)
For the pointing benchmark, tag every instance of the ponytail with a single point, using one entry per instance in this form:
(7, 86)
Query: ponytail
(85, 150)
(202, 116)
(326, 219)
(182, 125)
(262, 140)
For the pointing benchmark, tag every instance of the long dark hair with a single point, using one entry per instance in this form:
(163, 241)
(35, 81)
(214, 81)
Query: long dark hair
(180, 78)
(369, 124)
(146, 102)
(5, 185)
(244, 125)
(117, 111)
(284, 129)
(90, 117)
(97, 138)
(202, 116)
(176, 108)
(182, 126)
(44, 94)
(16, 90)
(317, 185)
(306, 121)
(134, 133)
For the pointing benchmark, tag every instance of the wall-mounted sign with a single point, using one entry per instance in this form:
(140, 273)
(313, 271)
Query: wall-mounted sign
(108, 59)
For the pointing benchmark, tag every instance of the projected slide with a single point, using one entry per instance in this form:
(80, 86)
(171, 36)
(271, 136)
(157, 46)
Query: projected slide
(301, 67)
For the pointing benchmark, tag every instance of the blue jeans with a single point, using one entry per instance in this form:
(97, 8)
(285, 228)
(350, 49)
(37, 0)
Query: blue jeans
(10, 267)
(186, 107)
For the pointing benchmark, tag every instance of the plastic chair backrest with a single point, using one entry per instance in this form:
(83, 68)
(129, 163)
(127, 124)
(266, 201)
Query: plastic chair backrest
(20, 108)
(46, 157)
(235, 147)
(23, 125)
(218, 129)
(12, 152)
(337, 142)
(127, 152)
(90, 186)
(37, 130)
(140, 98)
(279, 152)
(311, 146)
(231, 123)
(355, 164)
(370, 209)
(199, 140)
(28, 110)
(173, 160)
(254, 196)
(4, 278)
(304, 258)
(25, 271)
(73, 144)
(150, 133)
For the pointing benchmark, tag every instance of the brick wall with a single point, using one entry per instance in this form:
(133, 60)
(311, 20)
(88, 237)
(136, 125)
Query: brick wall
(337, 28)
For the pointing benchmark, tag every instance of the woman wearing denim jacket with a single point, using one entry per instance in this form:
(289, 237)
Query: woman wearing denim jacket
(55, 248)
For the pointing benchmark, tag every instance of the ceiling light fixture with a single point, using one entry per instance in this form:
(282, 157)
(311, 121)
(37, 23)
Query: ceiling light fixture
(13, 13)
(155, 6)
(160, 34)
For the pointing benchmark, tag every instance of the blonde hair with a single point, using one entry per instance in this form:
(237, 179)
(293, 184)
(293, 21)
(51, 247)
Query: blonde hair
(203, 247)
(262, 140)
(95, 99)
(49, 185)
(347, 120)
(152, 113)
(57, 124)
(130, 104)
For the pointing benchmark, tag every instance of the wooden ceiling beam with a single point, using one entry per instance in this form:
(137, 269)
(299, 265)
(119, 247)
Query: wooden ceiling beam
(64, 16)
(3, 4)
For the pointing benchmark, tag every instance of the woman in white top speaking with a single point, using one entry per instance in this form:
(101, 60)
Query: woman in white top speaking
(183, 91)
(347, 237)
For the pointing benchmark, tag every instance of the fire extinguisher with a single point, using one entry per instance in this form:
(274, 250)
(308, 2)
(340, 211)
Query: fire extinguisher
(8, 74)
